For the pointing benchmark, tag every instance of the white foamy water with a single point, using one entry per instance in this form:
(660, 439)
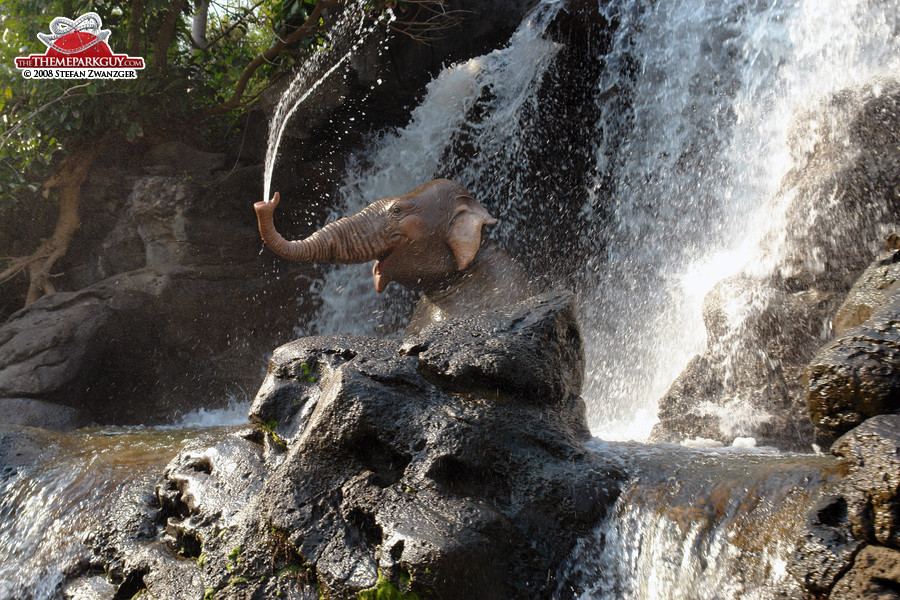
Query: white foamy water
(698, 525)
(717, 85)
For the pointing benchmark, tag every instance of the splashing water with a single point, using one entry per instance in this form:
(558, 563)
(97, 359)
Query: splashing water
(348, 36)
(401, 161)
(46, 507)
(718, 85)
(694, 103)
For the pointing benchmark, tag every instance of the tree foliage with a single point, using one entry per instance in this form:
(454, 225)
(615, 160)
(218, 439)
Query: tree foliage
(51, 128)
(41, 117)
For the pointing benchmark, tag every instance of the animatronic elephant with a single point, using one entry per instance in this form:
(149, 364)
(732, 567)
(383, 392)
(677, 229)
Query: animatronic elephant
(428, 240)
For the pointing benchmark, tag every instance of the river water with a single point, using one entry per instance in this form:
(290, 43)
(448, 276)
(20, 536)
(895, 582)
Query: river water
(671, 159)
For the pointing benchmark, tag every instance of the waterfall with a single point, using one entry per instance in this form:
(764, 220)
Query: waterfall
(698, 525)
(46, 507)
(685, 137)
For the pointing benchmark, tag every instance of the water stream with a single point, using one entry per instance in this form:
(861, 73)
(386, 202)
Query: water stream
(681, 145)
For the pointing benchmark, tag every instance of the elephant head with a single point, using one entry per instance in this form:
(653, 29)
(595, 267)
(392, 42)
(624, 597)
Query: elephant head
(419, 240)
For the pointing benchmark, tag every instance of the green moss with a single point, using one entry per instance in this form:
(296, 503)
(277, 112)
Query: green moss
(291, 571)
(308, 375)
(269, 426)
(385, 590)
(210, 594)
(235, 553)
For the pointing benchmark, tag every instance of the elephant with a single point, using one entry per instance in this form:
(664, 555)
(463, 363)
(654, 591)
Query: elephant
(429, 240)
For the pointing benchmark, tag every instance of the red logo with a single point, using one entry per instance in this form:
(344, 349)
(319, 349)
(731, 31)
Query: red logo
(78, 50)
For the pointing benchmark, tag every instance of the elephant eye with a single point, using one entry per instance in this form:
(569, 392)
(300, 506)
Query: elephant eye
(396, 209)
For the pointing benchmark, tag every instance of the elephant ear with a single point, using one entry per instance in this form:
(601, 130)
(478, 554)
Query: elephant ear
(464, 236)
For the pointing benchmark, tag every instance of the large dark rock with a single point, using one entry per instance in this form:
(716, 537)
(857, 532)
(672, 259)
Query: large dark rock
(850, 546)
(377, 464)
(875, 575)
(871, 290)
(857, 376)
(764, 329)
(171, 296)
(748, 381)
(873, 483)
(126, 349)
(26, 446)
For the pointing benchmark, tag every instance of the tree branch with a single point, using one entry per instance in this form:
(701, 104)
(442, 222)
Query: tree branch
(134, 26)
(6, 136)
(240, 20)
(273, 51)
(166, 34)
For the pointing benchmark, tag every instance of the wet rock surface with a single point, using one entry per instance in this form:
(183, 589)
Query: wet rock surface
(871, 290)
(852, 541)
(373, 466)
(70, 358)
(857, 375)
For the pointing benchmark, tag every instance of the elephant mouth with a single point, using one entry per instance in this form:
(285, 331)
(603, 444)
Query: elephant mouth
(381, 268)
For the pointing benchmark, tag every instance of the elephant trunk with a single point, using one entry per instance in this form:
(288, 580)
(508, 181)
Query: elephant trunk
(355, 239)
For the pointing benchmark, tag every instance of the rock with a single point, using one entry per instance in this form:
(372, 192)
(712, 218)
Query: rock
(93, 587)
(122, 351)
(857, 376)
(850, 547)
(378, 465)
(158, 205)
(679, 416)
(37, 413)
(538, 354)
(26, 446)
(826, 549)
(747, 383)
(177, 158)
(869, 292)
(873, 450)
(875, 575)
(843, 184)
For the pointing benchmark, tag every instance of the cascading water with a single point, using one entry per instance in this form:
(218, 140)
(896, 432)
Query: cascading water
(692, 106)
(47, 505)
(692, 109)
(638, 182)
(698, 525)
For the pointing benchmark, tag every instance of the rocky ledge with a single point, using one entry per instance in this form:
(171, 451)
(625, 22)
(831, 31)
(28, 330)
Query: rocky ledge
(451, 465)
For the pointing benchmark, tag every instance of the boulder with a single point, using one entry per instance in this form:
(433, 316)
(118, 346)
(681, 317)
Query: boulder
(419, 468)
(26, 447)
(760, 336)
(850, 548)
(857, 376)
(875, 575)
(869, 292)
(873, 481)
(34, 413)
(123, 350)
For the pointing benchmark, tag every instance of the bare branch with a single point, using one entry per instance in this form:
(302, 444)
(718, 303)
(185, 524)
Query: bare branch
(6, 136)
